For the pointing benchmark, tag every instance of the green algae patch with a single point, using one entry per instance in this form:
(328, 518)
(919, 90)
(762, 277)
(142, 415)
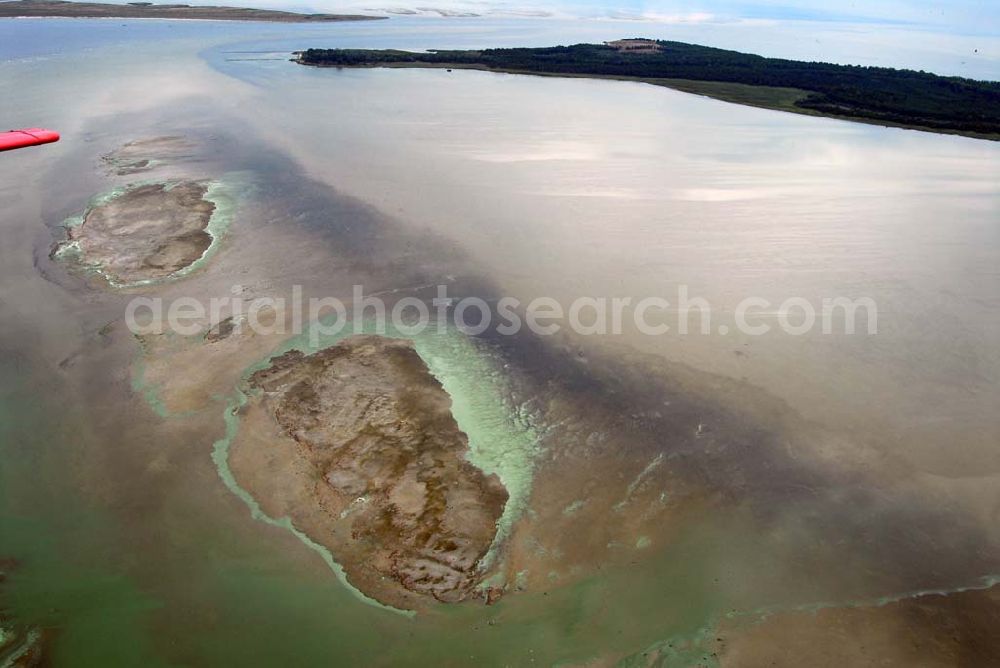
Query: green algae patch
(696, 649)
(148, 391)
(502, 438)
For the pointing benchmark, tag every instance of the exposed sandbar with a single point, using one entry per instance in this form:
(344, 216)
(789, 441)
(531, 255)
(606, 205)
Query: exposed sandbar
(357, 444)
(148, 232)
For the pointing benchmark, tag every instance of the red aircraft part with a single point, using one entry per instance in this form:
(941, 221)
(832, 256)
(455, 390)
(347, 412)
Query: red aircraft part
(30, 137)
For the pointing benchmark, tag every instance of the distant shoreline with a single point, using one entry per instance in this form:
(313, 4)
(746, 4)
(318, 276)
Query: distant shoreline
(740, 80)
(95, 10)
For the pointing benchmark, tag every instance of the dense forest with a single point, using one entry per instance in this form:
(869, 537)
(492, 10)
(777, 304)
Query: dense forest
(873, 93)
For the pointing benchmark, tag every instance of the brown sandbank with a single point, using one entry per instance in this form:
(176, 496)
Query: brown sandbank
(357, 445)
(149, 232)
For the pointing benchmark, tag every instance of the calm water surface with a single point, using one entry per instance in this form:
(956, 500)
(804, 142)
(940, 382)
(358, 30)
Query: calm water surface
(128, 542)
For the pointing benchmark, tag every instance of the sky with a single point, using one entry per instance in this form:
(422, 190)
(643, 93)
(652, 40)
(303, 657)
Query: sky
(953, 16)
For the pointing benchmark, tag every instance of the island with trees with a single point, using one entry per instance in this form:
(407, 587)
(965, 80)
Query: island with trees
(880, 95)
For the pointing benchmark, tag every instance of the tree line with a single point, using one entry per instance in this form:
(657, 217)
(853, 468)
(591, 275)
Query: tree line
(881, 93)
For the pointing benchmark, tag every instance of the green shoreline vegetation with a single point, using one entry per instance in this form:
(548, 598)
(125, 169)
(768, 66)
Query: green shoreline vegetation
(877, 95)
